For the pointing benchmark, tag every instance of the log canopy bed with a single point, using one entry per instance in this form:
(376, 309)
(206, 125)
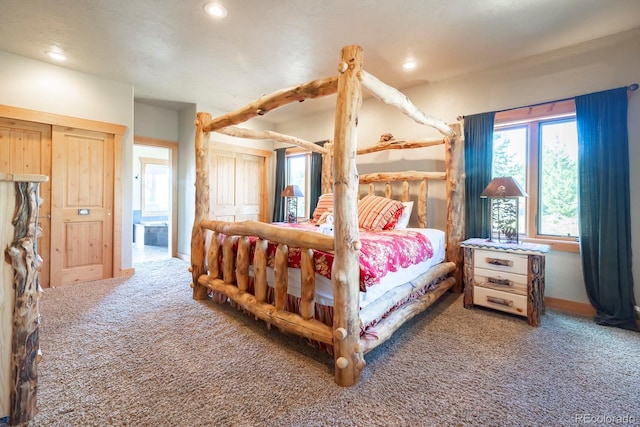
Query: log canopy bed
(251, 264)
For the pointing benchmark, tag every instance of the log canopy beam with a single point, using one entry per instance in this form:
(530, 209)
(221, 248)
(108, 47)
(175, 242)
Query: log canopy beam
(266, 103)
(400, 176)
(392, 96)
(275, 136)
(396, 144)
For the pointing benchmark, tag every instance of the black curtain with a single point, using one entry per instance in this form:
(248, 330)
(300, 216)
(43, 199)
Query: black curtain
(281, 182)
(478, 159)
(315, 180)
(605, 224)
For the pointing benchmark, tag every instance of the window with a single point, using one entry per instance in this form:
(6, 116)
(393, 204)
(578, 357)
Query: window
(538, 147)
(155, 184)
(298, 174)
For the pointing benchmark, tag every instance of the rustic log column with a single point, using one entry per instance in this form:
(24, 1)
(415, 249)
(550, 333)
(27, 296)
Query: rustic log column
(346, 274)
(202, 205)
(454, 158)
(327, 168)
(308, 280)
(242, 264)
(405, 191)
(213, 257)
(25, 338)
(281, 271)
(228, 260)
(535, 294)
(260, 270)
(423, 196)
(468, 278)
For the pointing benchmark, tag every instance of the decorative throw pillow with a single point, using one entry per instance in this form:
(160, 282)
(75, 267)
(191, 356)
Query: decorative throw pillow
(374, 212)
(394, 219)
(403, 221)
(325, 203)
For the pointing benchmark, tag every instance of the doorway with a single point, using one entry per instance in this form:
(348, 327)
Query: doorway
(154, 201)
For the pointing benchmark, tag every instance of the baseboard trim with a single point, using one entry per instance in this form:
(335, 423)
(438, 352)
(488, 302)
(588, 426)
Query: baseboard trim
(568, 306)
(183, 257)
(126, 272)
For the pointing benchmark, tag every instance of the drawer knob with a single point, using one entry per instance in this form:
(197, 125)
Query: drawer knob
(498, 281)
(498, 261)
(500, 301)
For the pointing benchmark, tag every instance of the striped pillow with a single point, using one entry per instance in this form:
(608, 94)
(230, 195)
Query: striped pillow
(374, 212)
(325, 203)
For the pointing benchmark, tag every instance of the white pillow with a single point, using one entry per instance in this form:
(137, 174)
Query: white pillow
(403, 221)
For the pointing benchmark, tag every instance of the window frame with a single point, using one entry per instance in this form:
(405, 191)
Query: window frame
(532, 117)
(299, 152)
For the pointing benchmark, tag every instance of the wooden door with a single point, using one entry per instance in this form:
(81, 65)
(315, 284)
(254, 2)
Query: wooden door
(249, 176)
(238, 187)
(25, 147)
(82, 205)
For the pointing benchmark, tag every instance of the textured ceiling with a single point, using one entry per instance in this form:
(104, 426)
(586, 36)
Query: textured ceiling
(171, 51)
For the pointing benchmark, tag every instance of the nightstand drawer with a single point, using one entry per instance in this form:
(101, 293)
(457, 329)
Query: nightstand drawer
(501, 280)
(499, 300)
(501, 261)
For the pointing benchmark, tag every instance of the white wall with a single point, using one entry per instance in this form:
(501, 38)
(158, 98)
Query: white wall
(600, 65)
(154, 122)
(186, 178)
(40, 86)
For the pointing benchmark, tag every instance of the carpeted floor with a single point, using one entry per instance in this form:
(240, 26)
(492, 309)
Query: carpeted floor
(142, 352)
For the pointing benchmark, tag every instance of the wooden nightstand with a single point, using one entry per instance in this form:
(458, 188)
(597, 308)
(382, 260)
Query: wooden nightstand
(505, 276)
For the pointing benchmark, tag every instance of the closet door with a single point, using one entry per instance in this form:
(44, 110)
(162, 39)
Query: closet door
(237, 186)
(82, 205)
(25, 147)
(249, 174)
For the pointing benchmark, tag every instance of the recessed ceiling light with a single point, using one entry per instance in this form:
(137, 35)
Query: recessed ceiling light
(409, 64)
(215, 9)
(56, 54)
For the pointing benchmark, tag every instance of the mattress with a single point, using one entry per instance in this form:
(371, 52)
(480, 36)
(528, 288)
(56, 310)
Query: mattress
(324, 286)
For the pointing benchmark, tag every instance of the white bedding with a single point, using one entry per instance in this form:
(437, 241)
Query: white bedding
(324, 287)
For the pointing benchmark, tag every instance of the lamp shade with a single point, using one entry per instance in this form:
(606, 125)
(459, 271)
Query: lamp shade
(291, 191)
(503, 187)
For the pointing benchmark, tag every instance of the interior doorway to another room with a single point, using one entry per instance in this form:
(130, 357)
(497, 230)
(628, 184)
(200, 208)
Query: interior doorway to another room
(154, 199)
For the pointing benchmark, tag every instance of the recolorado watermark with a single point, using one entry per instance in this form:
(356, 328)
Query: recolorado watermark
(600, 419)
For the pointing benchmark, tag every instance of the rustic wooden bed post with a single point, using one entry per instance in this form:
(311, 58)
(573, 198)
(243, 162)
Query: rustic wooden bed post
(327, 168)
(349, 359)
(202, 205)
(454, 158)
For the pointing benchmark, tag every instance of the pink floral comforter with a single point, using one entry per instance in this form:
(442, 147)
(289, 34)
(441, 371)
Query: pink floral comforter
(381, 252)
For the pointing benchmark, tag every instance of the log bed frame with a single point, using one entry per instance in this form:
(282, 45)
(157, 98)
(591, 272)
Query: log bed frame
(230, 278)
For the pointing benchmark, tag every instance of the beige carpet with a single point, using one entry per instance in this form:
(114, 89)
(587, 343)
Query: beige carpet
(141, 352)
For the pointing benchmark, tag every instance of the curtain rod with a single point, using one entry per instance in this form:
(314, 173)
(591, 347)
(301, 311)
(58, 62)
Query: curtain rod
(631, 88)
